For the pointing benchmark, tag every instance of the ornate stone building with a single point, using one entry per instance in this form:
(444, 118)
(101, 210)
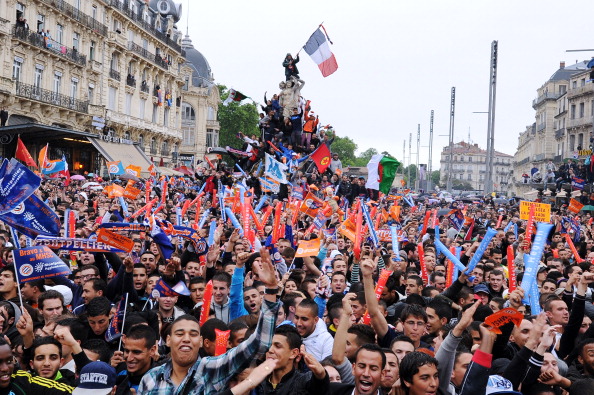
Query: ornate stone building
(98, 79)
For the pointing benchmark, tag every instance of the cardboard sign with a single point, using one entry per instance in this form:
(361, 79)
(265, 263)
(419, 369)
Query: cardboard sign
(542, 211)
(502, 317)
(115, 239)
(575, 206)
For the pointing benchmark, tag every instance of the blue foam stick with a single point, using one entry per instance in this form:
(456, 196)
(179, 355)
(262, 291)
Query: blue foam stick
(178, 215)
(241, 170)
(480, 251)
(234, 220)
(124, 206)
(394, 234)
(203, 219)
(211, 232)
(444, 250)
(261, 203)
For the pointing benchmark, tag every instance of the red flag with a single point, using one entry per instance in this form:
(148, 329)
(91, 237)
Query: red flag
(23, 154)
(321, 157)
(469, 232)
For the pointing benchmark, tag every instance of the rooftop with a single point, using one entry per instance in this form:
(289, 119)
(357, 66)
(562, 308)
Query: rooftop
(466, 148)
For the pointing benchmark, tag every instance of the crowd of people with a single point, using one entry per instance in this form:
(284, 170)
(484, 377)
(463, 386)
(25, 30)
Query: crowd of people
(292, 292)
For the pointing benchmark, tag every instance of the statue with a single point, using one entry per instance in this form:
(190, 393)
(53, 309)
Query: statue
(289, 96)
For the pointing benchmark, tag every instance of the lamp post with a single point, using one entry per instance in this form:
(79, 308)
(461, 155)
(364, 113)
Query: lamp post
(491, 121)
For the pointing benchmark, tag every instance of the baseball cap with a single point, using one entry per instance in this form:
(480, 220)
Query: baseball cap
(96, 378)
(481, 288)
(64, 290)
(500, 385)
(334, 253)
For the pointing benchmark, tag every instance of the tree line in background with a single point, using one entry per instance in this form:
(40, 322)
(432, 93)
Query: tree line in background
(244, 117)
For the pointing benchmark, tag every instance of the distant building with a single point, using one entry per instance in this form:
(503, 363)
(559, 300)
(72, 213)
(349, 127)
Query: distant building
(563, 119)
(469, 165)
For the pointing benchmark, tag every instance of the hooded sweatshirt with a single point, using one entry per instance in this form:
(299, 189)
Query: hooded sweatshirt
(320, 342)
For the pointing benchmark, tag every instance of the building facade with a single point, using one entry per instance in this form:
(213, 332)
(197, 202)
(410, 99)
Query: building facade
(97, 79)
(468, 165)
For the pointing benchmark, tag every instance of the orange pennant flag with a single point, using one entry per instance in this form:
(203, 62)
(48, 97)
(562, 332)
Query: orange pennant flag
(115, 239)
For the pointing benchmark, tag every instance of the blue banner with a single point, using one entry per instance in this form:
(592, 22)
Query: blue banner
(297, 193)
(114, 330)
(533, 260)
(480, 251)
(63, 243)
(33, 217)
(17, 183)
(38, 263)
(370, 225)
(319, 220)
(456, 217)
(578, 183)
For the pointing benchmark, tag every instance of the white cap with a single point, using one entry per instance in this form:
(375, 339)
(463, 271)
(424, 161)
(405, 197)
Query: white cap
(64, 290)
(334, 253)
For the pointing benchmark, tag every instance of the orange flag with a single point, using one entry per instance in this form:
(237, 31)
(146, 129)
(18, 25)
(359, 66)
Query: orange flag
(308, 248)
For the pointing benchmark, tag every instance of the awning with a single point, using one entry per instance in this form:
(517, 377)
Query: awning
(168, 172)
(128, 154)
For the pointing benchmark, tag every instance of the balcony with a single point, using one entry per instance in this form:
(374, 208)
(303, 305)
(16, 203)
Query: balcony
(114, 74)
(153, 151)
(131, 81)
(118, 39)
(5, 27)
(144, 87)
(547, 96)
(96, 66)
(124, 8)
(137, 123)
(541, 127)
(49, 45)
(48, 97)
(559, 133)
(78, 16)
(137, 49)
(580, 91)
(579, 122)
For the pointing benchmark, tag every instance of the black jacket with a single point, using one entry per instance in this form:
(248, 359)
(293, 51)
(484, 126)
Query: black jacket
(296, 382)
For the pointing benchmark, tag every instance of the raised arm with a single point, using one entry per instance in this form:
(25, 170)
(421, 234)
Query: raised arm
(378, 321)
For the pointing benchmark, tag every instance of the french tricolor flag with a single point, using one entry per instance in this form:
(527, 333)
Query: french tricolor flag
(319, 49)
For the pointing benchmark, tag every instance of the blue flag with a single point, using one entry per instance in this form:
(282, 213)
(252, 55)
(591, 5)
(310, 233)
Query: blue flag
(32, 218)
(114, 330)
(38, 263)
(17, 183)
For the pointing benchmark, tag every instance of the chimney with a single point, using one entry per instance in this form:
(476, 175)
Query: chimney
(562, 65)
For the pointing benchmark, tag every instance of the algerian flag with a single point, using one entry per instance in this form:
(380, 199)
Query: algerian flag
(381, 171)
(234, 96)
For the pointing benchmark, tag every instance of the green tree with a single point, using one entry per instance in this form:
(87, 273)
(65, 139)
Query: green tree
(413, 175)
(365, 156)
(345, 148)
(460, 185)
(234, 118)
(435, 177)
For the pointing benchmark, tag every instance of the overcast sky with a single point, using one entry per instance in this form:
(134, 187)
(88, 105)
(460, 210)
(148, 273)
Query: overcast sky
(398, 61)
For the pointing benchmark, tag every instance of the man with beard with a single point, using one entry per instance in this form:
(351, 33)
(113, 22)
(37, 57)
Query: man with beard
(186, 372)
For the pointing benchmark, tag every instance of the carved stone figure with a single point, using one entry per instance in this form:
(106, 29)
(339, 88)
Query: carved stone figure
(289, 96)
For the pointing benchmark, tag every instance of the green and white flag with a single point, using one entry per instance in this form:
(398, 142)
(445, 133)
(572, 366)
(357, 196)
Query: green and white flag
(381, 171)
(234, 96)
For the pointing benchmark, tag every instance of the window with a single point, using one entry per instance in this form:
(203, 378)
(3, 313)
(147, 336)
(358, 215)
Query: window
(117, 26)
(57, 82)
(40, 23)
(111, 100)
(141, 141)
(141, 108)
(188, 113)
(131, 35)
(17, 68)
(166, 117)
(73, 88)
(92, 51)
(38, 78)
(572, 142)
(470, 158)
(91, 93)
(186, 83)
(572, 113)
(165, 148)
(94, 12)
(582, 82)
(144, 44)
(75, 41)
(562, 89)
(59, 33)
(212, 138)
(115, 62)
(469, 177)
(155, 112)
(212, 116)
(128, 106)
(581, 109)
(580, 141)
(20, 11)
(574, 84)
(153, 146)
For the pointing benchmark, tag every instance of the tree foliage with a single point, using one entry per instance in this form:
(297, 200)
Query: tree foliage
(435, 177)
(460, 185)
(234, 118)
(345, 148)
